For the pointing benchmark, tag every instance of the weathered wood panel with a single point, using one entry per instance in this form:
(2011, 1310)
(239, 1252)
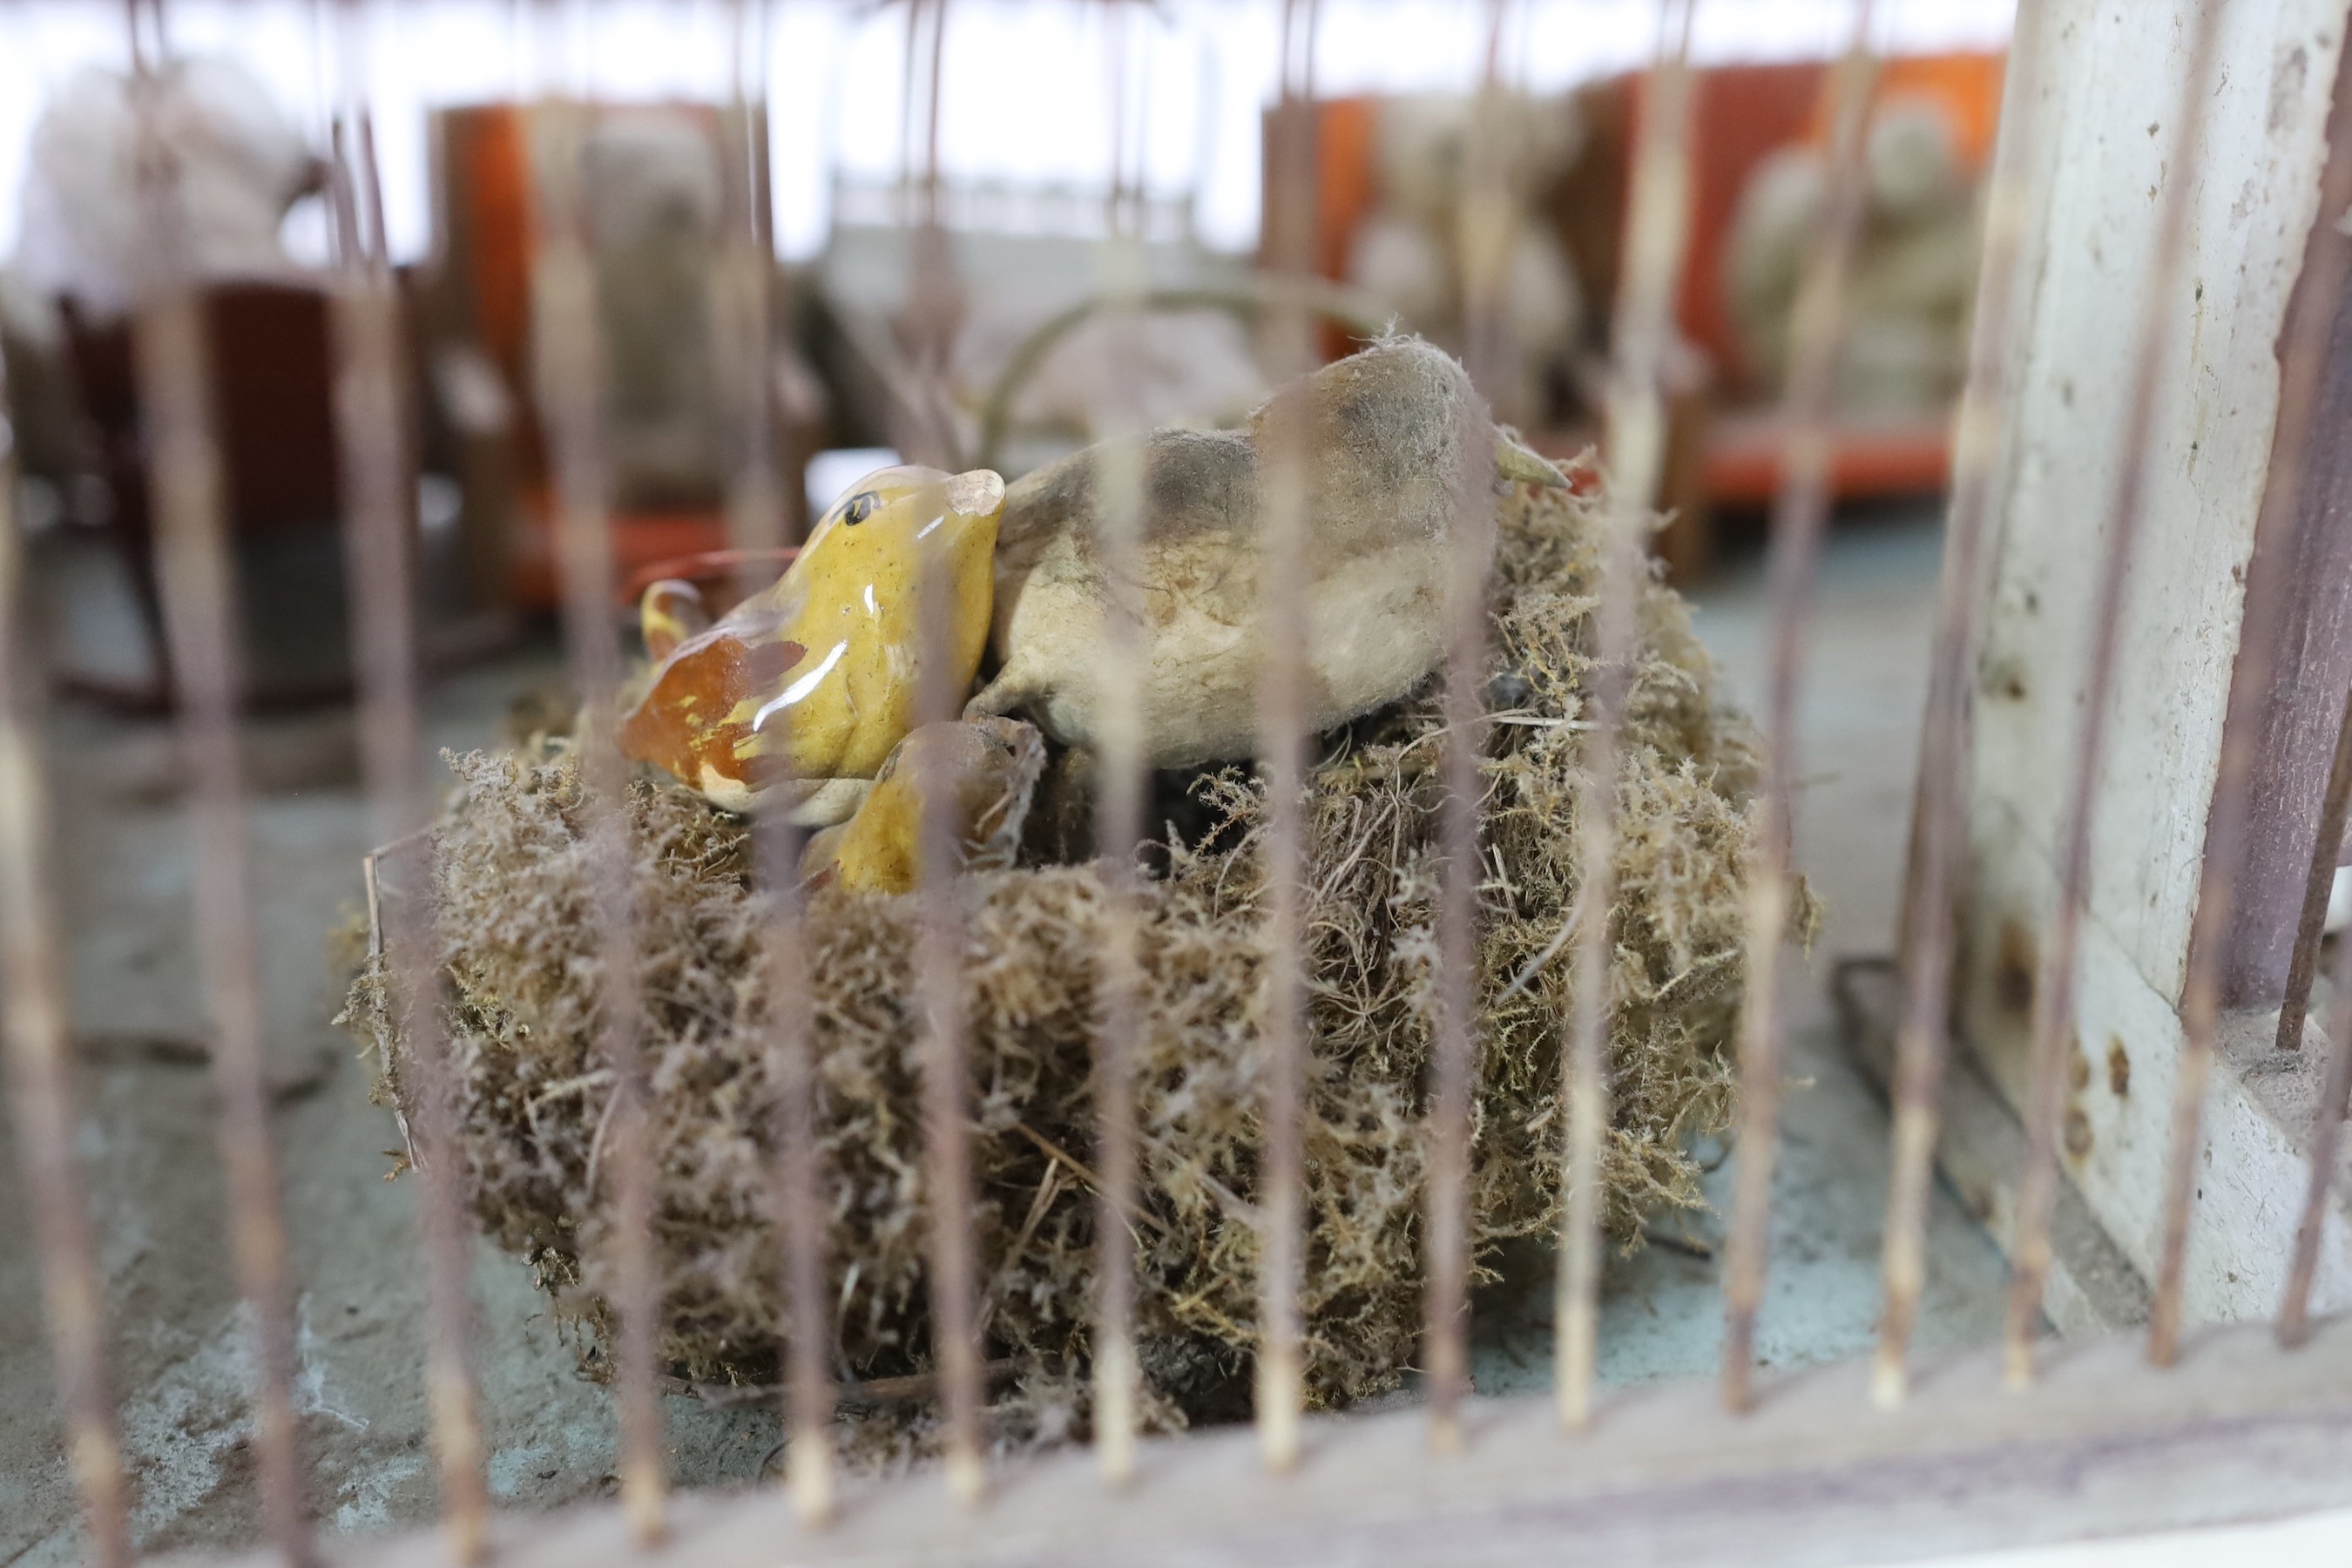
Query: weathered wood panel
(2114, 75)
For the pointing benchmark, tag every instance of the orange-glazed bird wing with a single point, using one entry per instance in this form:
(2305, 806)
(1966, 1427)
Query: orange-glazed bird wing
(694, 721)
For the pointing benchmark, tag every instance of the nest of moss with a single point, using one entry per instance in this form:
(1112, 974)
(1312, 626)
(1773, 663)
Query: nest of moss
(513, 889)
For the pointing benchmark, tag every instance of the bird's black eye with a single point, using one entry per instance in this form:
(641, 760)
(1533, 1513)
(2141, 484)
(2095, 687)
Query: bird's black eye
(861, 505)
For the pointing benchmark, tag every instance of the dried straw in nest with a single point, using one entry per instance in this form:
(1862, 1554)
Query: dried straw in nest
(513, 890)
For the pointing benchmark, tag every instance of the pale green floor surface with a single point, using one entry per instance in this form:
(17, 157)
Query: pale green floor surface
(1865, 684)
(146, 1133)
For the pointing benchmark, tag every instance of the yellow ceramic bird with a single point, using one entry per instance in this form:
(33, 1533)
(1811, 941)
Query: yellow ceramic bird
(985, 768)
(804, 688)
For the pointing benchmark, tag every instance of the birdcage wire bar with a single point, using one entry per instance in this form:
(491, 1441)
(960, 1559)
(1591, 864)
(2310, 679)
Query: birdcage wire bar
(1798, 516)
(1940, 803)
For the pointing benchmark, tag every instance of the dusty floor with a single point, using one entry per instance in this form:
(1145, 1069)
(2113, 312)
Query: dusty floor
(146, 1132)
(1865, 685)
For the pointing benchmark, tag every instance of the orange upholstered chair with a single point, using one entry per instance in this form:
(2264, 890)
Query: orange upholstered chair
(485, 186)
(1744, 113)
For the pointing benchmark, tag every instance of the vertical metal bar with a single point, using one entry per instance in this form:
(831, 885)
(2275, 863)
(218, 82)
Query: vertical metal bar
(199, 595)
(200, 616)
(1119, 807)
(2328, 1121)
(2311, 923)
(742, 273)
(2306, 342)
(934, 304)
(2053, 992)
(1940, 807)
(954, 1269)
(137, 48)
(756, 509)
(1657, 235)
(371, 427)
(35, 1017)
(1488, 227)
(1280, 1377)
(800, 1209)
(570, 393)
(1809, 405)
(956, 1327)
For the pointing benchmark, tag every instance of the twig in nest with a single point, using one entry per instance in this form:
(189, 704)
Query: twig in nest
(915, 1385)
(1054, 1151)
(1551, 950)
(1690, 1246)
(597, 1079)
(903, 1390)
(1047, 1190)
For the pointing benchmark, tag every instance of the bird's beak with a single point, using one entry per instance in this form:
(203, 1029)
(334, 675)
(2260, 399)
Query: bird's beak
(1516, 464)
(977, 493)
(975, 502)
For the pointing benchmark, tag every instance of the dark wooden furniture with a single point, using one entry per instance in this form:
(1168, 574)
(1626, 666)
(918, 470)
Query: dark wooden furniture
(271, 372)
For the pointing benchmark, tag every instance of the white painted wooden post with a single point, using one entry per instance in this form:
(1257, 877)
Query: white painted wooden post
(2114, 71)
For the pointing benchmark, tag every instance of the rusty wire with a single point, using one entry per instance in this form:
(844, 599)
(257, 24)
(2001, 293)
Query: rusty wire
(35, 1016)
(2304, 345)
(1120, 798)
(1280, 1386)
(2319, 886)
(933, 313)
(742, 271)
(570, 391)
(2053, 992)
(799, 1202)
(200, 614)
(1657, 235)
(1816, 339)
(953, 1268)
(372, 425)
(200, 607)
(2327, 1121)
(741, 277)
(1940, 792)
(1488, 227)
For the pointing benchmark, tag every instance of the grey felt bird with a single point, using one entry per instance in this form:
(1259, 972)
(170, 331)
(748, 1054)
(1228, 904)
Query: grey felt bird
(1398, 445)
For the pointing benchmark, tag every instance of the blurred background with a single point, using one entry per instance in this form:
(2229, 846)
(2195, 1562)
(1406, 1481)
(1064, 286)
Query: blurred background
(1016, 82)
(1046, 107)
